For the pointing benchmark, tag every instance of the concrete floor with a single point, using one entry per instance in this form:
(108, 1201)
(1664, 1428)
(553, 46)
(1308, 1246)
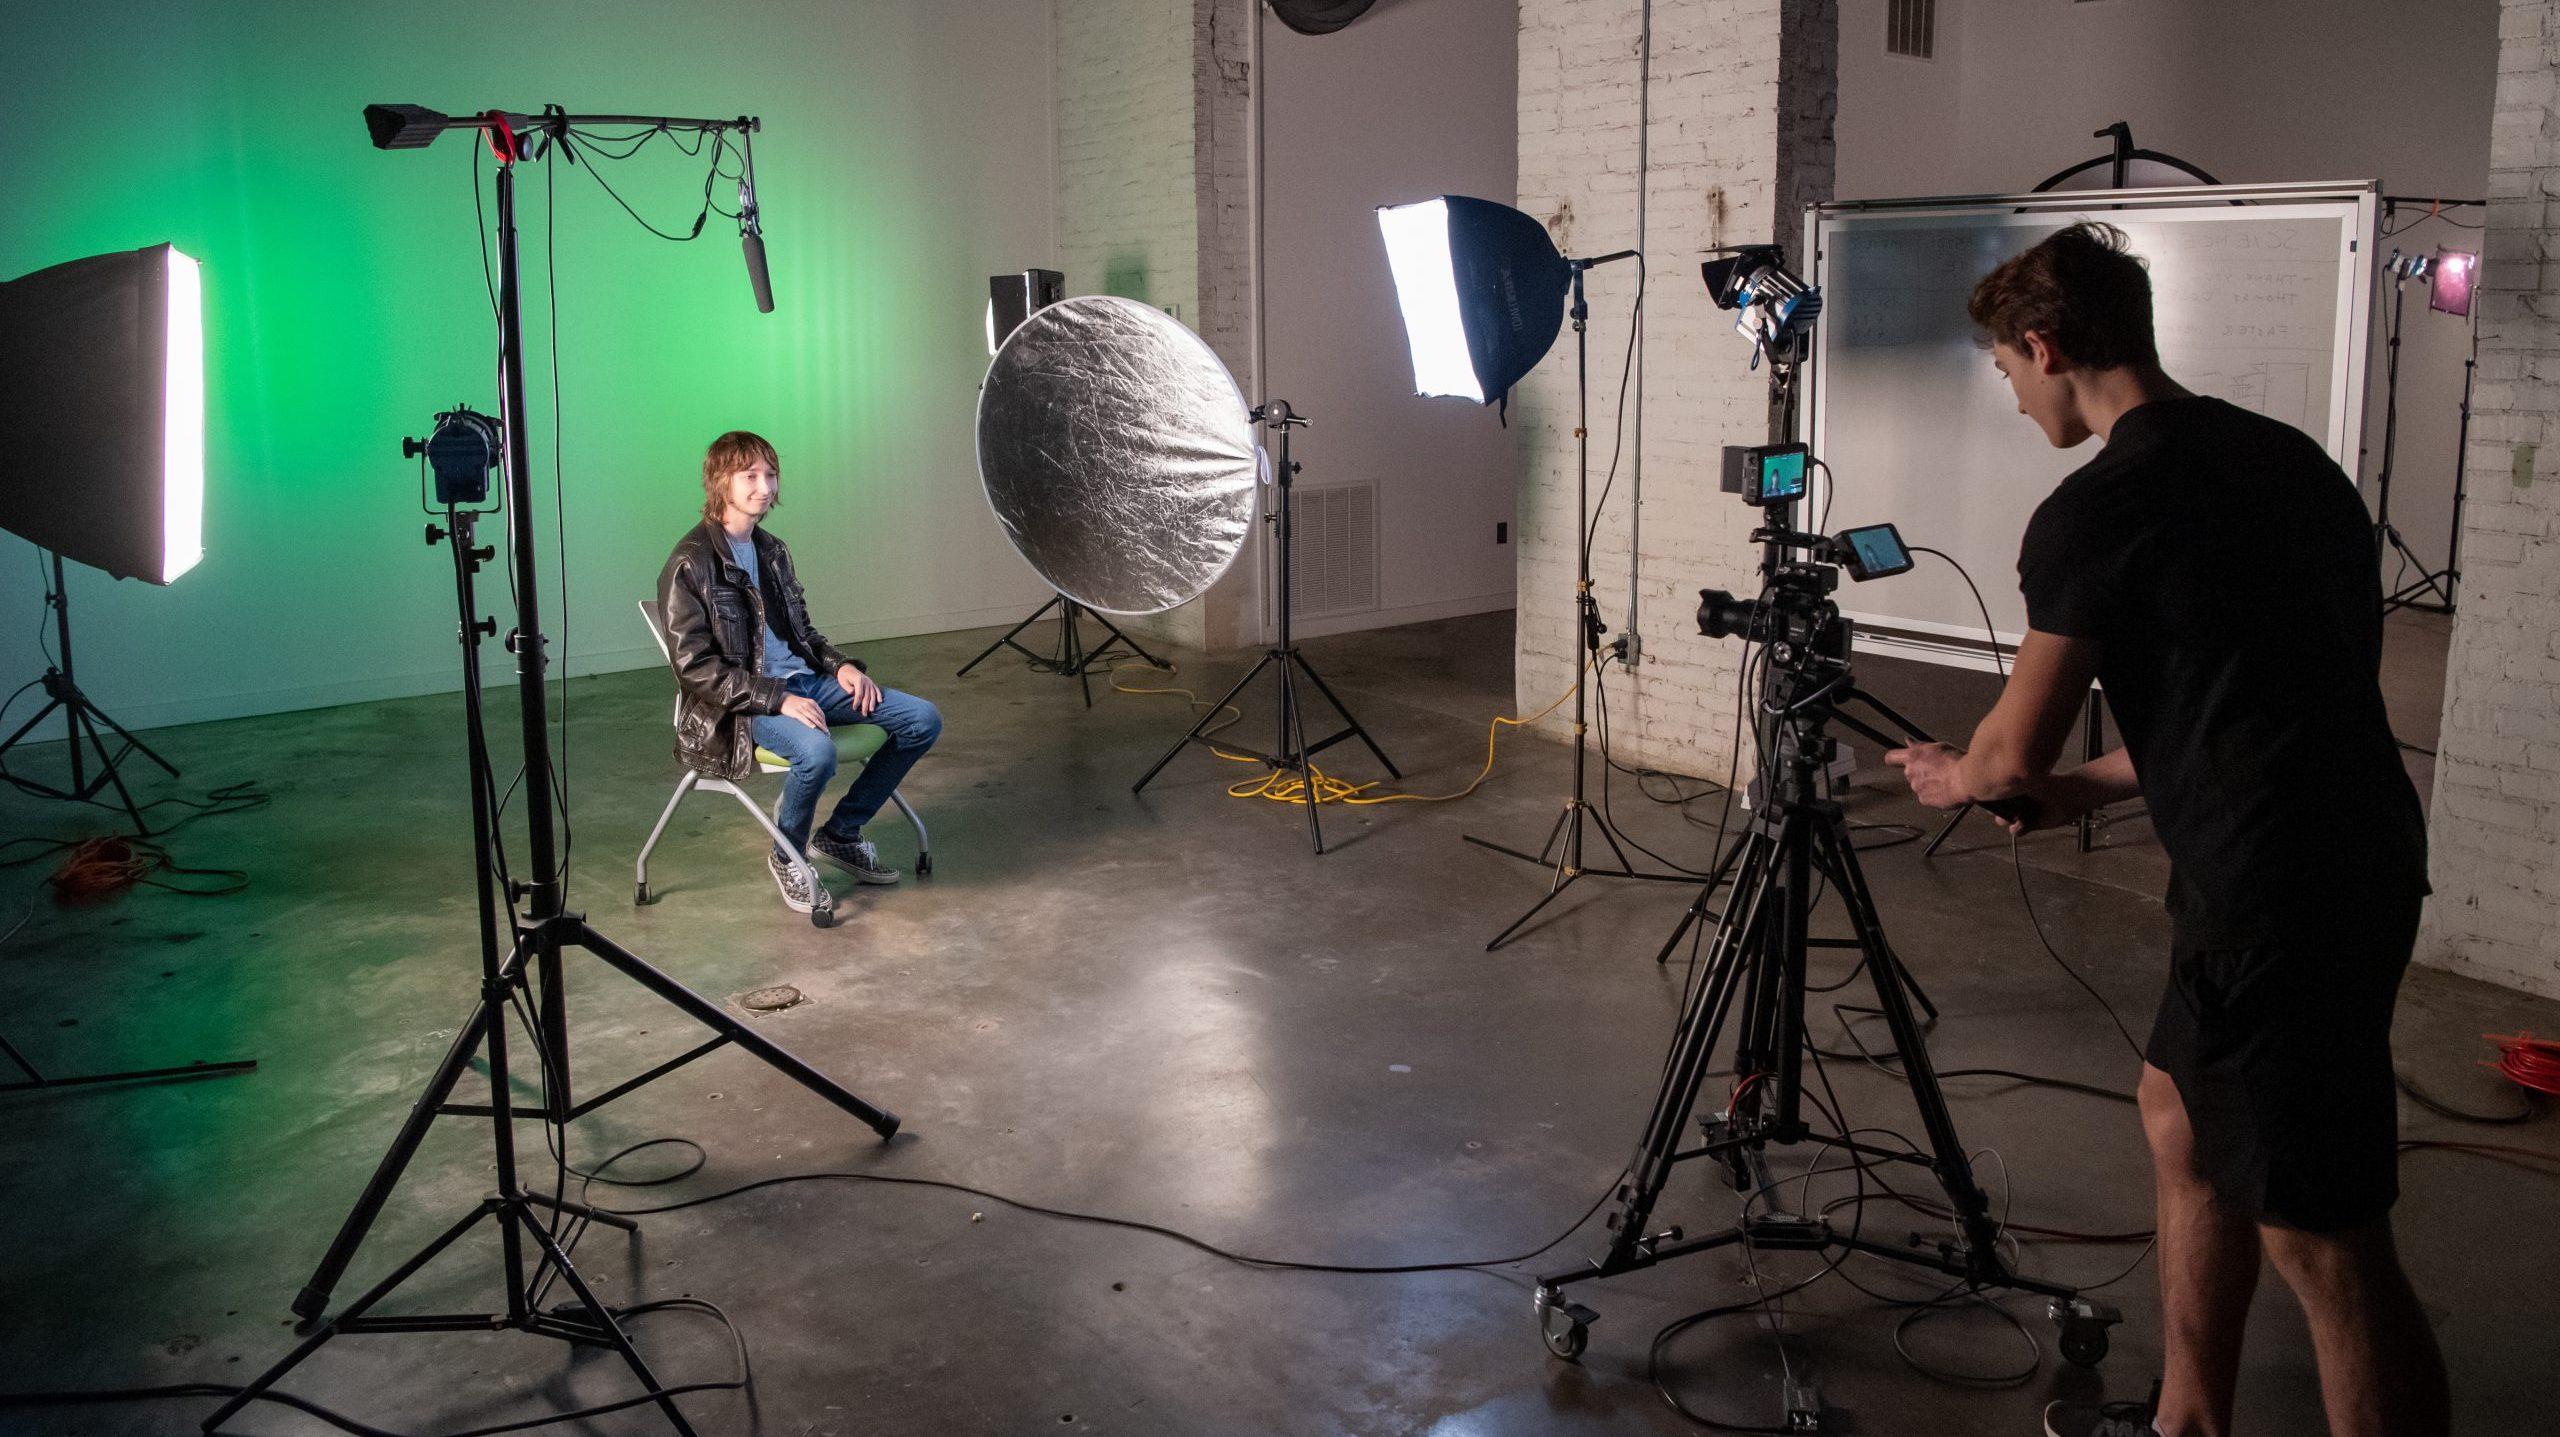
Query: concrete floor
(1160, 1008)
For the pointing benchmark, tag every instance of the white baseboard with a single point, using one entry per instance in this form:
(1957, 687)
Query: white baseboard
(1408, 614)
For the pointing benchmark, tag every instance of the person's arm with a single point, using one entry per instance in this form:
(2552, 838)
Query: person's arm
(694, 651)
(2017, 744)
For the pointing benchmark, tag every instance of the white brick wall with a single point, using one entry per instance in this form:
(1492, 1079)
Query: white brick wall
(2495, 828)
(1152, 99)
(1742, 105)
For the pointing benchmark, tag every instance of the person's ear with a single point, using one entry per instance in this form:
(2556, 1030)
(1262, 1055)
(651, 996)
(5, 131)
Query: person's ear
(2041, 352)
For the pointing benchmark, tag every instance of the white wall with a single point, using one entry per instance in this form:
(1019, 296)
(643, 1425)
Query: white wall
(2266, 90)
(906, 157)
(1417, 99)
(2495, 825)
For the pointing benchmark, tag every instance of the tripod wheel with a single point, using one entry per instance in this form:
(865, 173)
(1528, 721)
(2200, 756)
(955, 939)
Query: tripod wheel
(1566, 1326)
(2084, 1344)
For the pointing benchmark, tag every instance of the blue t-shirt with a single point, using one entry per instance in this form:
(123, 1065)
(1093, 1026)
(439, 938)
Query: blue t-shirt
(779, 661)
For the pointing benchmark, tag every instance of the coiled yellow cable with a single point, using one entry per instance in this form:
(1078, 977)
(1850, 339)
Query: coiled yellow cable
(1282, 785)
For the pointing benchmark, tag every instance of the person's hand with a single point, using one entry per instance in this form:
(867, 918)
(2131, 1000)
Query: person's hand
(1935, 772)
(796, 706)
(858, 687)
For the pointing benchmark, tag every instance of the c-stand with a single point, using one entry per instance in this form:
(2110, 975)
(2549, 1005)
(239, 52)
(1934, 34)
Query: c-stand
(1756, 964)
(531, 972)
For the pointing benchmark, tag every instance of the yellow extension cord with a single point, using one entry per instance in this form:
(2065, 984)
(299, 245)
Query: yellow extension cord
(1288, 786)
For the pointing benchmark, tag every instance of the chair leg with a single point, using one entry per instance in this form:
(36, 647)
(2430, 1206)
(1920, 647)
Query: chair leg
(765, 821)
(640, 874)
(924, 842)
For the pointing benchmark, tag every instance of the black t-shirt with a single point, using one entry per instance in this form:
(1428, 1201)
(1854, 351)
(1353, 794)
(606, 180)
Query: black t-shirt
(2225, 567)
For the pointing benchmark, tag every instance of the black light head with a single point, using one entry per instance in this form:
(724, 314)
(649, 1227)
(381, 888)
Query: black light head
(404, 127)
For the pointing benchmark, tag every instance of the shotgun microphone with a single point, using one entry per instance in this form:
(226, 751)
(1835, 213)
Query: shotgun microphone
(751, 232)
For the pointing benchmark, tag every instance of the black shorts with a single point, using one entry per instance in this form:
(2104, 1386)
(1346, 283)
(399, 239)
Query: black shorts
(2282, 1054)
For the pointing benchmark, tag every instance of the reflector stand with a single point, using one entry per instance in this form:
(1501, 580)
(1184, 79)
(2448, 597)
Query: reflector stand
(81, 720)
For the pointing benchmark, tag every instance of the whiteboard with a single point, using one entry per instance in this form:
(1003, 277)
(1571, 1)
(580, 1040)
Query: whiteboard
(2263, 303)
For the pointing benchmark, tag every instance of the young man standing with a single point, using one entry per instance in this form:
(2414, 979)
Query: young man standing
(2215, 571)
(754, 672)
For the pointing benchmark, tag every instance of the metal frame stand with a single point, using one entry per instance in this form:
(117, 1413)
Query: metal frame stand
(1756, 964)
(35, 1080)
(1563, 849)
(80, 720)
(1073, 659)
(2386, 536)
(531, 972)
(2446, 582)
(1293, 753)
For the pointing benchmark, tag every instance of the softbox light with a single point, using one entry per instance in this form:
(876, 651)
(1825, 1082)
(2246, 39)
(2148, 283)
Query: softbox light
(102, 412)
(1482, 289)
(2450, 292)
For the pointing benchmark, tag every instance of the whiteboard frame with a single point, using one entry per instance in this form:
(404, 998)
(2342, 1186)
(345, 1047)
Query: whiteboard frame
(2355, 203)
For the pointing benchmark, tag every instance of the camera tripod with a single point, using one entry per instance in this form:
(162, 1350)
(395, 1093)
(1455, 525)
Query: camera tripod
(1293, 753)
(529, 976)
(1072, 660)
(1755, 973)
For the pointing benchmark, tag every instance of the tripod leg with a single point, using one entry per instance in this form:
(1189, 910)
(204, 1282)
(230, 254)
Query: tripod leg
(1122, 638)
(314, 1297)
(1947, 1155)
(1214, 710)
(710, 1015)
(559, 1262)
(1946, 830)
(1008, 637)
(1293, 747)
(1706, 895)
(357, 1308)
(1347, 716)
(98, 715)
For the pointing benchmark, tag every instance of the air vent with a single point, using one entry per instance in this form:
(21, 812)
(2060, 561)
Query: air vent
(1333, 564)
(1911, 28)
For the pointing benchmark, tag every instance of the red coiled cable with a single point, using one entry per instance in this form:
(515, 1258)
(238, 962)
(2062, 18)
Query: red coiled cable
(2528, 1061)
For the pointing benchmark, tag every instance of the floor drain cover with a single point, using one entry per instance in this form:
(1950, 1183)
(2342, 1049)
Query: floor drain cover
(772, 1000)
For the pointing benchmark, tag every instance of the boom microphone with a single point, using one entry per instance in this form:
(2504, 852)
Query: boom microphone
(751, 232)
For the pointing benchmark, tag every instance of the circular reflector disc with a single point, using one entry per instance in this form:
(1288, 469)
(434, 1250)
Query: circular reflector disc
(1117, 453)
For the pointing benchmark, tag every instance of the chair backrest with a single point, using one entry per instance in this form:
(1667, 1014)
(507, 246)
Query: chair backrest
(656, 615)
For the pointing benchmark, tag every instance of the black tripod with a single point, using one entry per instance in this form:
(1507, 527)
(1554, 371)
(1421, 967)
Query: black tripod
(35, 1079)
(2386, 537)
(1293, 753)
(1756, 963)
(80, 721)
(1563, 850)
(530, 973)
(1072, 659)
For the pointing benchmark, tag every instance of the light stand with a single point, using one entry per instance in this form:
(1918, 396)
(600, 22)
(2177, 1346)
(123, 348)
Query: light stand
(1563, 850)
(80, 720)
(2386, 537)
(2447, 581)
(543, 929)
(1294, 753)
(36, 1080)
(1073, 659)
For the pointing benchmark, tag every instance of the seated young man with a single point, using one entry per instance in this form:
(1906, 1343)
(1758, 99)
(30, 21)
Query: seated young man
(2215, 570)
(754, 672)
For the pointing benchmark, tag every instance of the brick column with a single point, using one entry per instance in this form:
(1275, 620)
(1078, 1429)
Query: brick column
(2495, 826)
(1152, 98)
(1743, 95)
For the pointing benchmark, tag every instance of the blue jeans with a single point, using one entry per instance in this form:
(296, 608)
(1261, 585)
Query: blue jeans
(913, 725)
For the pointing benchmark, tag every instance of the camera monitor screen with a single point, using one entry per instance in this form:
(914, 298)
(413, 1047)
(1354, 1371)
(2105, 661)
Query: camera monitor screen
(1777, 474)
(1874, 552)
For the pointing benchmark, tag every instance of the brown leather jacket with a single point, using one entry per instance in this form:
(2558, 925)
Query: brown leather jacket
(715, 632)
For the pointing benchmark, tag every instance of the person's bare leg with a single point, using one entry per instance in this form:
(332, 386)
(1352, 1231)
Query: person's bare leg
(2208, 1272)
(2380, 1372)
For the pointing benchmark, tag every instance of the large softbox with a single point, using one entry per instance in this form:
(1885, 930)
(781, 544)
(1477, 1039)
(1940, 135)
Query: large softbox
(102, 412)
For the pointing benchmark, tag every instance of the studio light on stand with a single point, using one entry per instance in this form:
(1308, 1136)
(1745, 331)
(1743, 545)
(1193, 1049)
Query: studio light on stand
(1484, 293)
(2449, 275)
(102, 442)
(101, 462)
